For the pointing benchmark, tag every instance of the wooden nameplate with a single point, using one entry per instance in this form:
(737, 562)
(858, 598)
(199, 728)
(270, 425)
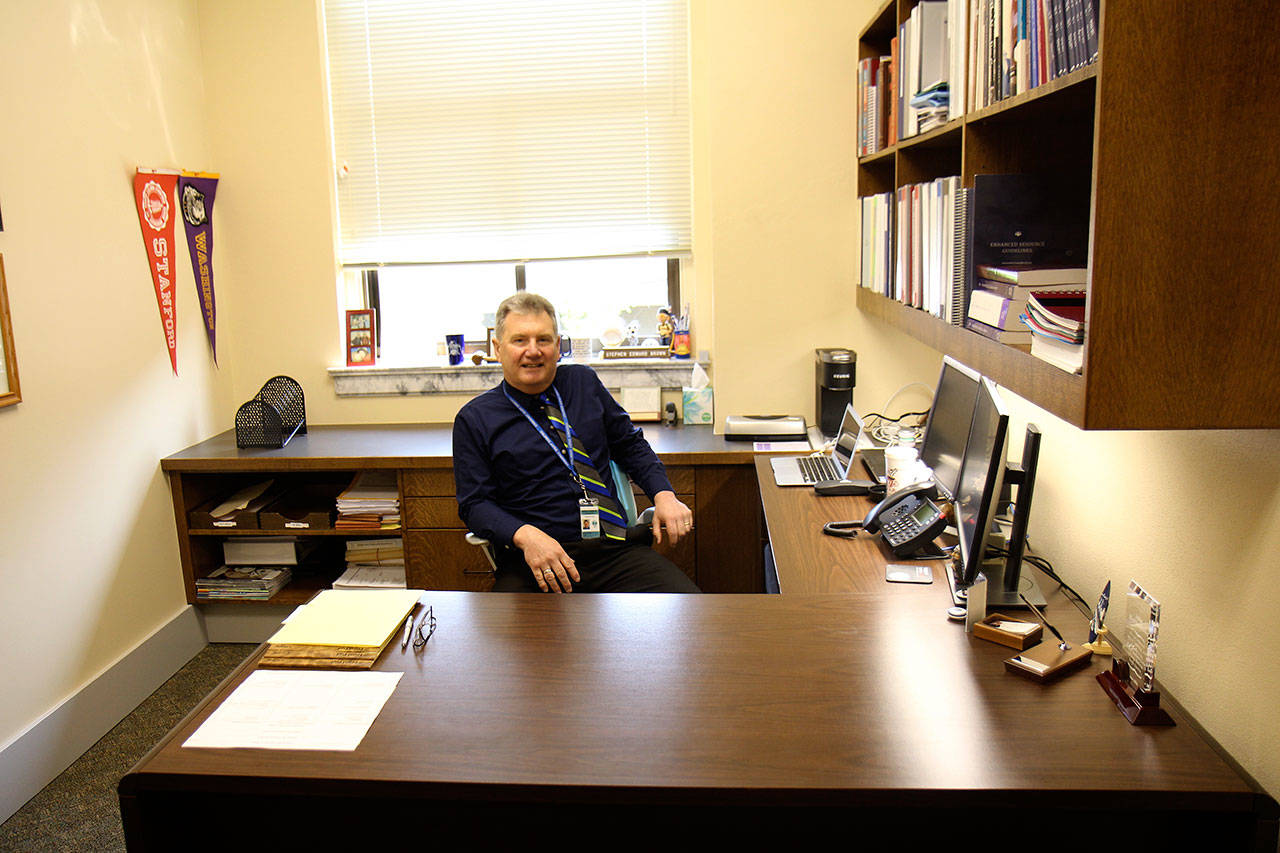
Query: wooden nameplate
(1046, 661)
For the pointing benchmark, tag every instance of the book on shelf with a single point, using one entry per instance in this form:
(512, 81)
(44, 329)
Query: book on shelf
(874, 98)
(1059, 353)
(995, 310)
(1017, 45)
(1032, 276)
(1004, 336)
(1026, 221)
(1020, 292)
(915, 248)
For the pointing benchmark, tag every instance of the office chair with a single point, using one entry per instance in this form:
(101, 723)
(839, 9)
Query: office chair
(626, 497)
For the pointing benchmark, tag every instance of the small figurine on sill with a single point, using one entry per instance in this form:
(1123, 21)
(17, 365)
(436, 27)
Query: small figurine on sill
(666, 327)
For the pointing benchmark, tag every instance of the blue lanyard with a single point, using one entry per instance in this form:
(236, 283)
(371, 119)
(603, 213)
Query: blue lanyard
(563, 457)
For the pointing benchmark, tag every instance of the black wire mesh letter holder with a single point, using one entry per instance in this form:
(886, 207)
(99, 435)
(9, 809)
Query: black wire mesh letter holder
(276, 414)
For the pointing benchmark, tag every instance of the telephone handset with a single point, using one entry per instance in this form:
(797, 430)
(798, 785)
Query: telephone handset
(886, 508)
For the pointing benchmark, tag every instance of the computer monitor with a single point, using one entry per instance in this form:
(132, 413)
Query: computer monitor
(1007, 586)
(978, 485)
(947, 429)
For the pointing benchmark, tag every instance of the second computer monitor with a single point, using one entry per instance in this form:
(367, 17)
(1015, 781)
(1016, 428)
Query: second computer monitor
(947, 428)
(981, 474)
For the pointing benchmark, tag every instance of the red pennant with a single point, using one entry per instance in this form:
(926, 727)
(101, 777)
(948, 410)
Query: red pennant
(153, 192)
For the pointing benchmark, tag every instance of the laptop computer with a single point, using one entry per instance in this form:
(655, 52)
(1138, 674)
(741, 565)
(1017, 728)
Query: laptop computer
(821, 468)
(870, 452)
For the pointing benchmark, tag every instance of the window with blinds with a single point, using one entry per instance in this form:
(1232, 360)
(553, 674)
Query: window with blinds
(487, 130)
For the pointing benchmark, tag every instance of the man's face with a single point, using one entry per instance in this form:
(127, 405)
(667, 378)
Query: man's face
(528, 351)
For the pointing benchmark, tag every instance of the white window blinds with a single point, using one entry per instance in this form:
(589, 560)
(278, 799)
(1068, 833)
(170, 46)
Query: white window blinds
(490, 130)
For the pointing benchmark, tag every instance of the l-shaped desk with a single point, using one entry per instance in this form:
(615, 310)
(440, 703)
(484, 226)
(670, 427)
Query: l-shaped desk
(854, 708)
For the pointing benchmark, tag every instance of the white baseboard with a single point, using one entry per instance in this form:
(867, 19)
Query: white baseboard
(50, 745)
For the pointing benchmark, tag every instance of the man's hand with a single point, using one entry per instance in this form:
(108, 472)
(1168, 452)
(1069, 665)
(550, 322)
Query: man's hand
(552, 568)
(670, 513)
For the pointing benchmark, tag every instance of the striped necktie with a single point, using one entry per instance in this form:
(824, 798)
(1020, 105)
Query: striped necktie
(613, 523)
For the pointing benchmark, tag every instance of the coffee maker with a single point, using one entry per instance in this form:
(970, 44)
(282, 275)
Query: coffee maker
(835, 373)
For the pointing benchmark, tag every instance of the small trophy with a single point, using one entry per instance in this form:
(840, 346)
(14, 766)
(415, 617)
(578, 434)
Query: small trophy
(1097, 630)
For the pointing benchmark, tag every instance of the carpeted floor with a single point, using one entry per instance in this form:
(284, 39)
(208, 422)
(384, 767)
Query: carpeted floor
(79, 810)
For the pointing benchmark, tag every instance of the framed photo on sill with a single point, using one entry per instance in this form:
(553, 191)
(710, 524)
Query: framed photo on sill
(9, 391)
(360, 343)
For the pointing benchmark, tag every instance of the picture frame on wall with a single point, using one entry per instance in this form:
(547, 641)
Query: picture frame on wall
(10, 393)
(360, 343)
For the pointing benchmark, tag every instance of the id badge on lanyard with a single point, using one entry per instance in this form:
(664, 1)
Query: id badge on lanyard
(589, 517)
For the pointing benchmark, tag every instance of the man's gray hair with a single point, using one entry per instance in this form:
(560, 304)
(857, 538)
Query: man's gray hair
(524, 302)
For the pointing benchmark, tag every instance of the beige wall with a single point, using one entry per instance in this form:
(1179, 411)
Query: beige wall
(88, 558)
(775, 266)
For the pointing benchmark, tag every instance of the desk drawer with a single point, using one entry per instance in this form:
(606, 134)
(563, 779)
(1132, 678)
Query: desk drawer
(428, 482)
(432, 513)
(681, 477)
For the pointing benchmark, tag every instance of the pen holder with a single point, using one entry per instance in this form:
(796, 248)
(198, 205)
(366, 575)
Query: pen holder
(276, 414)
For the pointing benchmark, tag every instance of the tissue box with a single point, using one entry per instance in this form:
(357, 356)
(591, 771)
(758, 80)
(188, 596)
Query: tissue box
(698, 405)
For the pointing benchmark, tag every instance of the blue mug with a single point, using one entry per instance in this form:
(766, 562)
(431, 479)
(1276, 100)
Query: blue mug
(454, 344)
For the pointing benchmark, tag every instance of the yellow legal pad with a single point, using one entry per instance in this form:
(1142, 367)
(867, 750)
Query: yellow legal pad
(348, 617)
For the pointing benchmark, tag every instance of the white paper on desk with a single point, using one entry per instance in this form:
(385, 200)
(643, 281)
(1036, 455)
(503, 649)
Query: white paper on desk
(297, 709)
(780, 447)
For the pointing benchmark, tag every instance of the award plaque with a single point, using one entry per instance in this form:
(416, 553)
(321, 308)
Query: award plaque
(1131, 680)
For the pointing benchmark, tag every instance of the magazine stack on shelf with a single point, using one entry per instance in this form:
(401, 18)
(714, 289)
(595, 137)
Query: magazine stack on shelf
(1057, 324)
(371, 502)
(244, 583)
(373, 564)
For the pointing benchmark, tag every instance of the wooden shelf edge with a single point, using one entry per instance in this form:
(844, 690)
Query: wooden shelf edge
(1037, 381)
(1044, 90)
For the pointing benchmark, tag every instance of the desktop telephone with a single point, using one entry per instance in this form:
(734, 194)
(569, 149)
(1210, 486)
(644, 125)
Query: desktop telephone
(908, 519)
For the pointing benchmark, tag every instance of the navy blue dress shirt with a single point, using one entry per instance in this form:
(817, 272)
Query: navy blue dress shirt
(507, 476)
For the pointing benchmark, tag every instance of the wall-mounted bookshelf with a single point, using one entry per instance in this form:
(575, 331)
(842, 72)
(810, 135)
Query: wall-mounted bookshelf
(1168, 128)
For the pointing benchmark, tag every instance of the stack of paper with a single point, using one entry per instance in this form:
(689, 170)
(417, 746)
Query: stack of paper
(375, 563)
(341, 629)
(371, 502)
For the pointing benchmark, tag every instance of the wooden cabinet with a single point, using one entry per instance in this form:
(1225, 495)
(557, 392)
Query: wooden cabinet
(713, 477)
(1167, 129)
(437, 555)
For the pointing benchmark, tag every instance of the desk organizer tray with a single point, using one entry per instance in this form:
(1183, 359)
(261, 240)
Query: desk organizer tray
(1017, 638)
(276, 414)
(309, 507)
(246, 517)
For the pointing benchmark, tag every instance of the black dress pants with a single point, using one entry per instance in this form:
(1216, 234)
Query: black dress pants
(604, 565)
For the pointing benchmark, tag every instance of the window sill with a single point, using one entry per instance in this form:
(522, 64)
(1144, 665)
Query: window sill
(471, 379)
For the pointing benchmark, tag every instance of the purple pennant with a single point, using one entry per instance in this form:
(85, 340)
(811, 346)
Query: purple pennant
(195, 194)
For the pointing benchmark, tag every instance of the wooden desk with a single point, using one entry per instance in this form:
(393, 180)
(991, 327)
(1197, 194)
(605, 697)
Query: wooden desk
(645, 718)
(713, 476)
(809, 562)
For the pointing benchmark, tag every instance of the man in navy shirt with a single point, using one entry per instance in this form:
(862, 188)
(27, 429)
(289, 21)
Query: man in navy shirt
(518, 486)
